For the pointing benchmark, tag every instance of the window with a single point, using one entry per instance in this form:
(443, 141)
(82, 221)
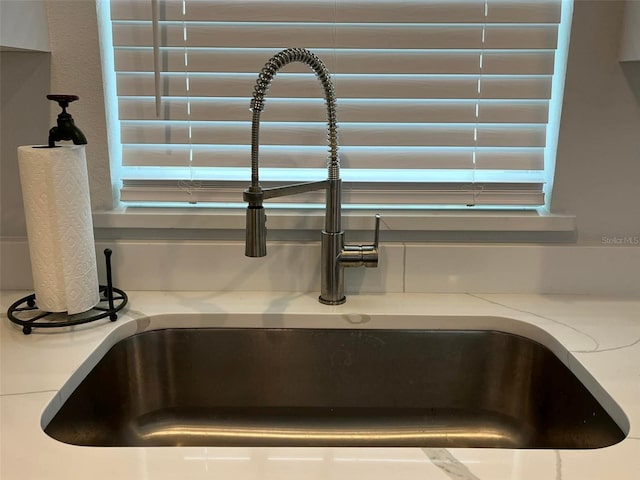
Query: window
(440, 102)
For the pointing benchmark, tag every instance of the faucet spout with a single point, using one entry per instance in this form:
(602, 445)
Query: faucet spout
(335, 256)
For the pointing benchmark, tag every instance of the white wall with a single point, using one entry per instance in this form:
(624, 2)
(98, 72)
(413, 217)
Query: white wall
(23, 26)
(598, 164)
(24, 83)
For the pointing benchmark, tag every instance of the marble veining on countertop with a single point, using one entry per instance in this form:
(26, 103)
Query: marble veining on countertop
(602, 334)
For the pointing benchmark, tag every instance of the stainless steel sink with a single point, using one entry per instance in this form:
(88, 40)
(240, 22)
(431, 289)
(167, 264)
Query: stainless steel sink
(332, 387)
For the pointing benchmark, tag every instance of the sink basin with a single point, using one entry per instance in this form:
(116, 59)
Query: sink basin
(332, 387)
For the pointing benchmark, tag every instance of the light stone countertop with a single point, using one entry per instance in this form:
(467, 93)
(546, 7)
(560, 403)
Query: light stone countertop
(601, 333)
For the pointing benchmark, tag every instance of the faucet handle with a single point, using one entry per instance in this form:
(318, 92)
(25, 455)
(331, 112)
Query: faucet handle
(362, 255)
(376, 232)
(371, 254)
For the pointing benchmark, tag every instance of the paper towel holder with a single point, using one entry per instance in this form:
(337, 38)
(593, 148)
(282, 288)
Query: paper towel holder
(26, 313)
(66, 128)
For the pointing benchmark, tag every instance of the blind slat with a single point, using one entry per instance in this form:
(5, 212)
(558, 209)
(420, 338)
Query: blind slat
(437, 11)
(380, 193)
(363, 11)
(304, 110)
(337, 36)
(532, 11)
(308, 133)
(372, 86)
(343, 61)
(273, 156)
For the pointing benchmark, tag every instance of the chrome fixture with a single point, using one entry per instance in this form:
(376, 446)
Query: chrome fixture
(335, 254)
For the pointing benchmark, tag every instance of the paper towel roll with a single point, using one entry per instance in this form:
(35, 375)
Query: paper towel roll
(55, 192)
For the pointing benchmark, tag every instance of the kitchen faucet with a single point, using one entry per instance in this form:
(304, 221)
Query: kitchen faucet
(335, 255)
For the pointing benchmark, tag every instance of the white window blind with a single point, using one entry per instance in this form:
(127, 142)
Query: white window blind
(439, 102)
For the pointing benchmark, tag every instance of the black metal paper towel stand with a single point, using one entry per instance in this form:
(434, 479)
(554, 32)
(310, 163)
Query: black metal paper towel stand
(25, 312)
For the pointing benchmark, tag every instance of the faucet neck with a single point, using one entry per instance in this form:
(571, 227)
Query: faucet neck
(333, 217)
(263, 82)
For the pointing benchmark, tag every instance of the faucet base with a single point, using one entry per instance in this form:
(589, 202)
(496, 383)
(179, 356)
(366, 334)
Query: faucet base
(331, 270)
(332, 302)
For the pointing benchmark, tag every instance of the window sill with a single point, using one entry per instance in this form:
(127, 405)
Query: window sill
(443, 225)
